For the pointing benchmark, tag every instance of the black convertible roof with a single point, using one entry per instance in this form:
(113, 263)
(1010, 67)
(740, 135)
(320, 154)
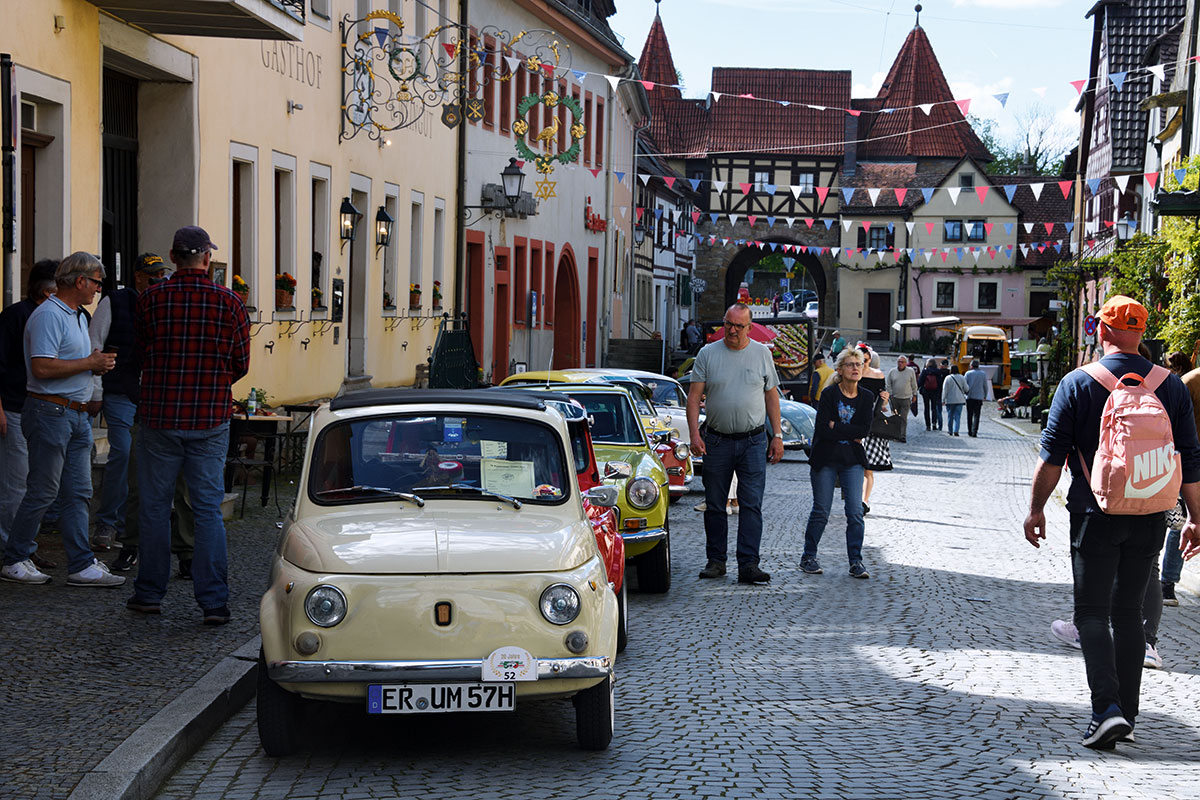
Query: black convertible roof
(408, 397)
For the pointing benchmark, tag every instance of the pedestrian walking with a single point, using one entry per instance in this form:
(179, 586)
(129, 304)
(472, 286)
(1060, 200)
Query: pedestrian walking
(839, 344)
(930, 380)
(14, 451)
(737, 377)
(692, 332)
(844, 417)
(1113, 554)
(116, 391)
(822, 374)
(954, 397)
(901, 384)
(193, 338)
(59, 361)
(977, 392)
(879, 452)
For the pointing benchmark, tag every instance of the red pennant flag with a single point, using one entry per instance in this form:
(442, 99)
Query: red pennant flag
(943, 256)
(1041, 247)
(695, 217)
(851, 251)
(751, 219)
(822, 191)
(992, 253)
(1066, 188)
(549, 70)
(929, 230)
(900, 196)
(1049, 226)
(852, 112)
(987, 226)
(1151, 179)
(640, 211)
(449, 49)
(1079, 85)
(866, 225)
(809, 220)
(748, 96)
(670, 182)
(595, 172)
(1108, 223)
(648, 84)
(803, 248)
(520, 165)
(745, 187)
(963, 105)
(982, 192)
(1091, 243)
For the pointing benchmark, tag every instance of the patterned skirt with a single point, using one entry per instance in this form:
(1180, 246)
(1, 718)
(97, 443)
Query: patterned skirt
(879, 453)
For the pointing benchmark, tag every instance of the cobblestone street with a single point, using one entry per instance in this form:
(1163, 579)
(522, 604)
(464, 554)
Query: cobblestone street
(937, 677)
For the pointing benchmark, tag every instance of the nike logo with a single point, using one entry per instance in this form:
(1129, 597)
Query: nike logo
(1151, 490)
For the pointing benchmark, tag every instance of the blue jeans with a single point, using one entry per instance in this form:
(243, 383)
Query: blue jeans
(953, 414)
(200, 455)
(722, 458)
(14, 466)
(62, 440)
(1172, 563)
(822, 479)
(118, 411)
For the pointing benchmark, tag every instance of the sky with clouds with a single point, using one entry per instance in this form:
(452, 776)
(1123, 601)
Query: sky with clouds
(1031, 49)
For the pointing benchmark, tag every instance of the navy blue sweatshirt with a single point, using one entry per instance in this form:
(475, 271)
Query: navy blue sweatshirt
(836, 445)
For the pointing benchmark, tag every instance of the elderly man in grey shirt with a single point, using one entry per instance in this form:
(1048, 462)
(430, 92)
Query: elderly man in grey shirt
(737, 377)
(902, 386)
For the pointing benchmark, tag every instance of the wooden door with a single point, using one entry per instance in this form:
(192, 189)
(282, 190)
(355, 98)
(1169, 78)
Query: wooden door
(879, 315)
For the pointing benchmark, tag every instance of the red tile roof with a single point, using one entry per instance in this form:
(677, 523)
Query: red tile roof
(676, 125)
(742, 124)
(892, 124)
(656, 63)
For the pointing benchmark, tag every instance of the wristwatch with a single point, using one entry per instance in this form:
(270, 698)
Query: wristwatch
(778, 435)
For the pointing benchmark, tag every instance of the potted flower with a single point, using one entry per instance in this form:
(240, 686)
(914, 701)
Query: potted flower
(285, 290)
(388, 304)
(241, 289)
(414, 295)
(317, 298)
(437, 294)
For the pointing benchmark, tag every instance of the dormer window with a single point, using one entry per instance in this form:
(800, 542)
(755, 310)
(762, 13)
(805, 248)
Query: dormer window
(966, 180)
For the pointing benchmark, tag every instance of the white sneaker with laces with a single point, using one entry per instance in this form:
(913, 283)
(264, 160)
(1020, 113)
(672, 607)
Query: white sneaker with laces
(95, 574)
(23, 572)
(1065, 632)
(1153, 659)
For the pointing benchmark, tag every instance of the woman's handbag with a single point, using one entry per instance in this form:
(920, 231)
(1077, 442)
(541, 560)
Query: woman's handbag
(886, 426)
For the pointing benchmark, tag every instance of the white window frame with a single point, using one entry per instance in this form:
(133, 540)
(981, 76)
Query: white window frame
(439, 248)
(756, 177)
(320, 13)
(247, 155)
(806, 181)
(286, 256)
(319, 221)
(975, 300)
(954, 299)
(416, 229)
(391, 262)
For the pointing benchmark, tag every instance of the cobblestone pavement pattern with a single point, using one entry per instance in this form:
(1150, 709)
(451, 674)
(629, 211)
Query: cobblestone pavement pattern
(935, 678)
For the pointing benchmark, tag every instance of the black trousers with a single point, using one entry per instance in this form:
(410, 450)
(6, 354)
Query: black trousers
(973, 409)
(933, 409)
(1112, 558)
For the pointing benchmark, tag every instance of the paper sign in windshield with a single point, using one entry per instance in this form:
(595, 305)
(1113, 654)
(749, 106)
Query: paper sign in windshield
(513, 478)
(492, 449)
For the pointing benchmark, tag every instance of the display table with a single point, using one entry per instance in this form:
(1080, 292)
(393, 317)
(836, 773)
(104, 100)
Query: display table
(245, 434)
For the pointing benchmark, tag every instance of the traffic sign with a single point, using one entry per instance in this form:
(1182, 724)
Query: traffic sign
(786, 297)
(1089, 325)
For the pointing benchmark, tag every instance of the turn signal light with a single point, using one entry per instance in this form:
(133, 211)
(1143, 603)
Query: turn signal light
(441, 613)
(635, 523)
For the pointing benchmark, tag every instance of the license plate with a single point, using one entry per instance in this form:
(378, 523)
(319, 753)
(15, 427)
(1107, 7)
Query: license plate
(432, 698)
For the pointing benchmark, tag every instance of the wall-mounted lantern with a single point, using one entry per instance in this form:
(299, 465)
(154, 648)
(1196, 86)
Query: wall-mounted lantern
(349, 216)
(383, 228)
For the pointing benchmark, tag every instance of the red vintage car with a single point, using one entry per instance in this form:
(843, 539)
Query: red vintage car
(587, 473)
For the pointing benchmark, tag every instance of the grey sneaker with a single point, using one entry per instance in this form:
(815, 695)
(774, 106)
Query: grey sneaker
(103, 537)
(811, 566)
(857, 570)
(23, 572)
(714, 569)
(1153, 660)
(95, 574)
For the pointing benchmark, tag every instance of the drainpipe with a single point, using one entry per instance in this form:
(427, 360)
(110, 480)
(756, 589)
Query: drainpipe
(8, 132)
(460, 243)
(1189, 109)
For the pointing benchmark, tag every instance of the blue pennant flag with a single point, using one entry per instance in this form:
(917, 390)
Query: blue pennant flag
(1070, 226)
(1001, 98)
(1118, 79)
(1093, 185)
(739, 242)
(1180, 174)
(770, 222)
(381, 35)
(658, 213)
(1058, 247)
(1009, 191)
(784, 103)
(620, 176)
(947, 224)
(579, 75)
(891, 227)
(699, 238)
(828, 224)
(1133, 224)
(695, 182)
(847, 193)
(773, 246)
(713, 217)
(1008, 228)
(770, 187)
(927, 194)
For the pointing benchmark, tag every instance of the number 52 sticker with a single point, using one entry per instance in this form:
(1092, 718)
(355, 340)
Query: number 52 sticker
(509, 664)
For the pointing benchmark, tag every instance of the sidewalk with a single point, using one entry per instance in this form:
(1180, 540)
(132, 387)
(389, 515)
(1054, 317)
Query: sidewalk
(104, 703)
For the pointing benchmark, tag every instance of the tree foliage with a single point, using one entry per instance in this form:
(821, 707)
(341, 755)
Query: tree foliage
(1040, 138)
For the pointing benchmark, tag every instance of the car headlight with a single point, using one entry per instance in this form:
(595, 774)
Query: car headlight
(642, 492)
(560, 604)
(784, 425)
(682, 451)
(325, 606)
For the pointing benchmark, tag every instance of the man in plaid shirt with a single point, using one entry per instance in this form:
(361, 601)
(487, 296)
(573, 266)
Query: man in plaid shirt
(193, 338)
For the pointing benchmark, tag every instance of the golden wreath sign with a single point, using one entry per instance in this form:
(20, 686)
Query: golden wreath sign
(544, 162)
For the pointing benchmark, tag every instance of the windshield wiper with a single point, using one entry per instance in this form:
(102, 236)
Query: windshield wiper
(485, 492)
(377, 490)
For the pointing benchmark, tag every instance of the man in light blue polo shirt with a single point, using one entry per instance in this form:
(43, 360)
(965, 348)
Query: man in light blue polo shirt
(977, 391)
(60, 362)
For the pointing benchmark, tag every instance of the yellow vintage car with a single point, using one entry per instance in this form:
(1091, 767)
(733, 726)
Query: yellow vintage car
(438, 559)
(989, 344)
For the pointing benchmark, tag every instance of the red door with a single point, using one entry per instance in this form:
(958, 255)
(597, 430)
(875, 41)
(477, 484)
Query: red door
(500, 319)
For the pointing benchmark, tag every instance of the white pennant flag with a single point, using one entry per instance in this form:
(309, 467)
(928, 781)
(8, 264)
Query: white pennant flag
(835, 251)
(926, 107)
(613, 80)
(975, 254)
(1024, 249)
(846, 225)
(1122, 182)
(624, 210)
(644, 178)
(715, 96)
(1090, 228)
(1028, 226)
(1159, 71)
(678, 213)
(910, 226)
(733, 218)
(928, 256)
(719, 186)
(513, 63)
(954, 192)
(791, 221)
(796, 191)
(873, 194)
(1036, 188)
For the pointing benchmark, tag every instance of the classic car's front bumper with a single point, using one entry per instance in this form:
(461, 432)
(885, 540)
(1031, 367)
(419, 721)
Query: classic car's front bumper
(644, 535)
(425, 671)
(681, 488)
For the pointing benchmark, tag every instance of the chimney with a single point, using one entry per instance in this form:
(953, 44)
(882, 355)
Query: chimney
(1027, 168)
(850, 163)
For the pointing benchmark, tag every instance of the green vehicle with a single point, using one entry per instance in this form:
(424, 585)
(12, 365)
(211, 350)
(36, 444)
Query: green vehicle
(627, 460)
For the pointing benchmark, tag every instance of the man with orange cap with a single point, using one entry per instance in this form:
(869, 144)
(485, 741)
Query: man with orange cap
(1112, 555)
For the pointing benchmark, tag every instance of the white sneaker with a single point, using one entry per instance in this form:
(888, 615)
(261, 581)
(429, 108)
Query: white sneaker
(23, 572)
(1065, 632)
(1153, 659)
(95, 574)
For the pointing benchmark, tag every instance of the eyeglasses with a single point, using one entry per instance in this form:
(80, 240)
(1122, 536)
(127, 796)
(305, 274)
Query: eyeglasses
(99, 283)
(737, 326)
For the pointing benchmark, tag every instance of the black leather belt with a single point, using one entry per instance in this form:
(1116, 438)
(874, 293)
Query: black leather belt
(742, 435)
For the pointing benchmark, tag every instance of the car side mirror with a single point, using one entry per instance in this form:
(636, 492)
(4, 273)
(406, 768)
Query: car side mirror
(664, 437)
(617, 469)
(603, 496)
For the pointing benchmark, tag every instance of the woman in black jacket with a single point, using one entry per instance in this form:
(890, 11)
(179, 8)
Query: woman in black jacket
(844, 416)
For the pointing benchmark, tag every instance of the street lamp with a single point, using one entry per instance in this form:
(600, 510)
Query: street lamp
(349, 216)
(1126, 226)
(639, 234)
(511, 181)
(383, 228)
(512, 178)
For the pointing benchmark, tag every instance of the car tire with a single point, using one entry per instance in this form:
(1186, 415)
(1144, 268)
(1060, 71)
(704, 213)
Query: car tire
(278, 712)
(654, 567)
(595, 715)
(622, 619)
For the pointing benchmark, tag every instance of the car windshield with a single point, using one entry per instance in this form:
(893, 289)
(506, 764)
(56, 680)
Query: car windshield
(434, 455)
(613, 421)
(666, 393)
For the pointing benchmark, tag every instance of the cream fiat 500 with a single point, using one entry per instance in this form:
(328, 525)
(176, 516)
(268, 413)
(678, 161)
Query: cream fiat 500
(438, 559)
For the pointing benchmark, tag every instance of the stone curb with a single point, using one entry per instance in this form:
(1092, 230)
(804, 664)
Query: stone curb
(140, 764)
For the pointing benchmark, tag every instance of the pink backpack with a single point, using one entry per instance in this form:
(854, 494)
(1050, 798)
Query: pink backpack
(1136, 469)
